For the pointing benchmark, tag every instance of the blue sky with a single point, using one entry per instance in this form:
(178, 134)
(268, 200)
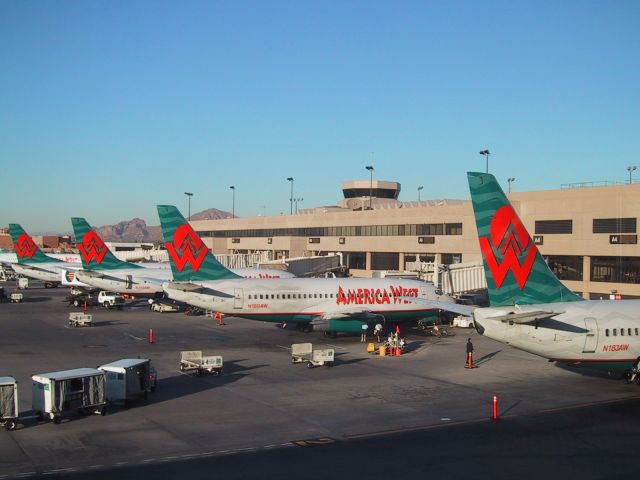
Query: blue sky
(108, 108)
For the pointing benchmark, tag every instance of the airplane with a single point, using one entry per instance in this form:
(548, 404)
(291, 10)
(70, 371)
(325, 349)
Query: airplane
(33, 263)
(103, 270)
(531, 310)
(329, 304)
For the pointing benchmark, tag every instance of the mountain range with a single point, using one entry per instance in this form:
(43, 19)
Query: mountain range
(137, 230)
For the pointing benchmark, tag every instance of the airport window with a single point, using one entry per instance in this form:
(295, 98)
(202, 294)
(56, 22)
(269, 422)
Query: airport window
(356, 260)
(565, 267)
(554, 226)
(614, 225)
(385, 261)
(615, 269)
(449, 258)
(453, 229)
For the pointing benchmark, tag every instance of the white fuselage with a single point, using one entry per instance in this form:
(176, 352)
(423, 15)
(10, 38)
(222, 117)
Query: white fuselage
(149, 279)
(590, 332)
(47, 272)
(308, 299)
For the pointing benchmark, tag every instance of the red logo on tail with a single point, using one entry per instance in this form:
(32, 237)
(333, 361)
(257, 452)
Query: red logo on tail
(187, 247)
(510, 239)
(25, 247)
(92, 247)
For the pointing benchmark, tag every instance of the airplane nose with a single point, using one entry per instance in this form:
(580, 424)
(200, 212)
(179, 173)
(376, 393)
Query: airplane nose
(479, 328)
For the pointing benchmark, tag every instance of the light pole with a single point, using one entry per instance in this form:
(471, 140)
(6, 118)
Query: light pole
(290, 179)
(189, 194)
(370, 168)
(297, 200)
(419, 190)
(233, 204)
(631, 168)
(486, 154)
(511, 179)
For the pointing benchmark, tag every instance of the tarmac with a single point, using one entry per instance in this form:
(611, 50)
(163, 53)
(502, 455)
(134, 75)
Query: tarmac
(265, 415)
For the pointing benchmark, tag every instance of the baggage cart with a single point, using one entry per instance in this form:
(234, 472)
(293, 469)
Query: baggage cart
(79, 319)
(193, 360)
(128, 379)
(313, 357)
(56, 393)
(8, 403)
(17, 297)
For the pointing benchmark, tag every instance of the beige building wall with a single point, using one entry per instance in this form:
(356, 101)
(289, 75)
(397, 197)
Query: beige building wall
(580, 205)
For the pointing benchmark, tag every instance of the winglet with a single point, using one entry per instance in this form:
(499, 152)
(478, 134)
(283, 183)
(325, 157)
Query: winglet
(515, 271)
(189, 257)
(26, 250)
(94, 253)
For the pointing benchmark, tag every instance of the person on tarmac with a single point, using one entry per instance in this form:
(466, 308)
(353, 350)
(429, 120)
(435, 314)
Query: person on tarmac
(363, 337)
(377, 331)
(469, 349)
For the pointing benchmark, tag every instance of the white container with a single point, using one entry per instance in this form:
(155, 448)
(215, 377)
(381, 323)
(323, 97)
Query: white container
(55, 393)
(8, 402)
(128, 379)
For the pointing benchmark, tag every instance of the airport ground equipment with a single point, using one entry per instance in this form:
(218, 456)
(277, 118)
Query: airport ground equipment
(128, 379)
(193, 360)
(80, 319)
(56, 393)
(110, 300)
(16, 297)
(23, 282)
(313, 357)
(164, 307)
(8, 403)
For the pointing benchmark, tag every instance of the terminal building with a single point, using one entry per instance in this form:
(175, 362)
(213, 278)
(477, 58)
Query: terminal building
(586, 232)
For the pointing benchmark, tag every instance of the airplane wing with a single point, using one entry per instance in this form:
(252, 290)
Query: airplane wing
(31, 267)
(103, 276)
(355, 313)
(466, 310)
(194, 288)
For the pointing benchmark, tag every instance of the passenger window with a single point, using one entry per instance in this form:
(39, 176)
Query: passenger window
(636, 331)
(629, 332)
(606, 332)
(315, 295)
(288, 295)
(615, 332)
(326, 295)
(622, 332)
(249, 297)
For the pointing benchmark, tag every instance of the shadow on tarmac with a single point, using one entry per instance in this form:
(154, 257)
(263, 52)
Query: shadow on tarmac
(27, 299)
(487, 358)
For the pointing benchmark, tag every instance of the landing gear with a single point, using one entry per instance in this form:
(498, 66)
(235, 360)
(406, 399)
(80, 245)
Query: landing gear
(633, 373)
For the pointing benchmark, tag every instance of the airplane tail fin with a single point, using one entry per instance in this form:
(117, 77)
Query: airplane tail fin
(515, 271)
(189, 257)
(26, 250)
(94, 253)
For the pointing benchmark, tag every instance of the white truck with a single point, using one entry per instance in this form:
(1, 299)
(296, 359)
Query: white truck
(110, 300)
(56, 393)
(313, 357)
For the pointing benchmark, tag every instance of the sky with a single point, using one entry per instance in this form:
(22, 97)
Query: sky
(108, 108)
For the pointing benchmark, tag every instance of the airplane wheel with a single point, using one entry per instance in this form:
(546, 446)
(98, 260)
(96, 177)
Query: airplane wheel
(10, 425)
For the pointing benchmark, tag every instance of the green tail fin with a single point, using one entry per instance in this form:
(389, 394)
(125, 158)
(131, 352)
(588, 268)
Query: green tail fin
(516, 272)
(189, 257)
(94, 253)
(26, 250)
